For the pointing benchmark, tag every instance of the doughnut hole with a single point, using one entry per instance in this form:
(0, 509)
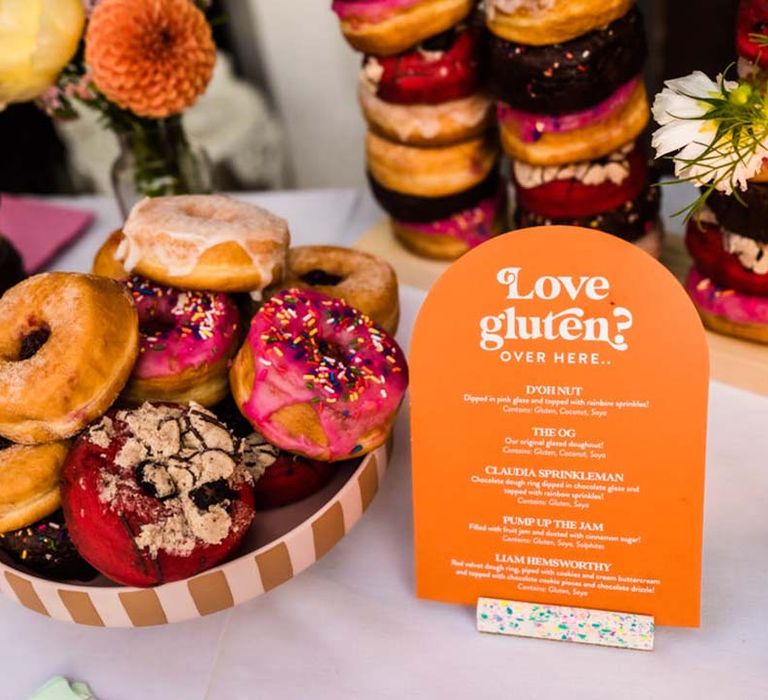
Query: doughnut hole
(157, 326)
(32, 341)
(321, 278)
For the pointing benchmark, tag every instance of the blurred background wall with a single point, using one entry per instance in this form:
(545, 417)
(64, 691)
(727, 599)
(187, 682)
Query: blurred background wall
(286, 113)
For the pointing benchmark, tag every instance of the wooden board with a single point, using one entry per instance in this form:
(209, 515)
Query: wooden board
(734, 362)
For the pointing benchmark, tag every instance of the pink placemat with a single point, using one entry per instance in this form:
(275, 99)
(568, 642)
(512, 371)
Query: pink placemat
(39, 229)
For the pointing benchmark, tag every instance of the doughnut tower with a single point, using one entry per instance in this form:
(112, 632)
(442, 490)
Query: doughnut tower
(728, 239)
(571, 105)
(431, 148)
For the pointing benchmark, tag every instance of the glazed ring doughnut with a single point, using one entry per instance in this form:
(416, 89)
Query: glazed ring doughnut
(318, 378)
(67, 345)
(387, 27)
(29, 482)
(542, 22)
(187, 340)
(105, 263)
(364, 281)
(430, 172)
(208, 242)
(605, 128)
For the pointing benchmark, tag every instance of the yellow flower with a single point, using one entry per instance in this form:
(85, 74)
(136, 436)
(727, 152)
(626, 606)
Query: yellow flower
(38, 38)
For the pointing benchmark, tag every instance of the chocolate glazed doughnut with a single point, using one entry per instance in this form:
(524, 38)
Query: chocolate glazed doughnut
(11, 267)
(571, 76)
(629, 221)
(745, 214)
(405, 207)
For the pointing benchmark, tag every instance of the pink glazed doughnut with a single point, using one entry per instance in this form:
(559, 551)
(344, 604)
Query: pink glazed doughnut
(726, 311)
(186, 341)
(318, 378)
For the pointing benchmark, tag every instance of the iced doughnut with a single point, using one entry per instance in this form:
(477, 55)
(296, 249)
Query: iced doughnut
(318, 378)
(156, 494)
(365, 282)
(544, 139)
(386, 27)
(725, 311)
(540, 22)
(208, 242)
(68, 343)
(187, 340)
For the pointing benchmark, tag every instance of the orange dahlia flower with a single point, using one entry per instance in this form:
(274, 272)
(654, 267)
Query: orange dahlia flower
(153, 57)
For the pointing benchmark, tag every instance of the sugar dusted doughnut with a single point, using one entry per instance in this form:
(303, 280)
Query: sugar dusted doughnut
(318, 378)
(187, 340)
(540, 22)
(386, 27)
(156, 494)
(209, 242)
(67, 346)
(430, 172)
(364, 281)
(29, 482)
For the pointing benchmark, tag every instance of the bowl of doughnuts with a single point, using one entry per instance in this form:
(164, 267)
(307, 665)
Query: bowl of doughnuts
(201, 417)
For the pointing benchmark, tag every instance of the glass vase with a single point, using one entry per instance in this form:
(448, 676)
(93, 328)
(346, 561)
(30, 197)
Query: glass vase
(157, 159)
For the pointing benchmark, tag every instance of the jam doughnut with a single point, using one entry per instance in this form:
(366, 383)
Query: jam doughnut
(430, 95)
(187, 339)
(29, 482)
(318, 378)
(571, 76)
(106, 263)
(208, 242)
(582, 189)
(430, 172)
(730, 260)
(540, 22)
(281, 478)
(543, 139)
(726, 311)
(156, 494)
(46, 549)
(364, 281)
(386, 27)
(11, 267)
(67, 346)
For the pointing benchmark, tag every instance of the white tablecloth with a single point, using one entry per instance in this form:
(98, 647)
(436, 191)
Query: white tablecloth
(351, 627)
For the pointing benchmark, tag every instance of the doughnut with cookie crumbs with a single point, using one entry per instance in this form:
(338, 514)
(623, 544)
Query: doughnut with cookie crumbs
(156, 494)
(318, 378)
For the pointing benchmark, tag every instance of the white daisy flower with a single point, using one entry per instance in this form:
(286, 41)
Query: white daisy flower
(725, 162)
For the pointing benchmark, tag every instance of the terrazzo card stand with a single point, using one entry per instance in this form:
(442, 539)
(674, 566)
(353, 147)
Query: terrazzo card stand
(735, 362)
(560, 383)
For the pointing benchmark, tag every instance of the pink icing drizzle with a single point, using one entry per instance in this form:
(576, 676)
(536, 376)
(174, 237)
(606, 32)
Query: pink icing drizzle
(311, 349)
(531, 127)
(370, 10)
(181, 329)
(473, 226)
(740, 308)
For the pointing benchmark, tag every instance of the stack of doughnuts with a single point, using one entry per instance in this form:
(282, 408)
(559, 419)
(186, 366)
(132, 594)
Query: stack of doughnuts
(567, 75)
(146, 416)
(431, 151)
(728, 239)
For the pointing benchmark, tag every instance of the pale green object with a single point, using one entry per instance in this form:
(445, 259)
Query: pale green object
(59, 688)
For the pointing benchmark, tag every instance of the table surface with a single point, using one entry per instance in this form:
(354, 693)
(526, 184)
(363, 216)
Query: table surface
(351, 625)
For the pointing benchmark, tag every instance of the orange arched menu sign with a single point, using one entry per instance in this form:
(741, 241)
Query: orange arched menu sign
(559, 383)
